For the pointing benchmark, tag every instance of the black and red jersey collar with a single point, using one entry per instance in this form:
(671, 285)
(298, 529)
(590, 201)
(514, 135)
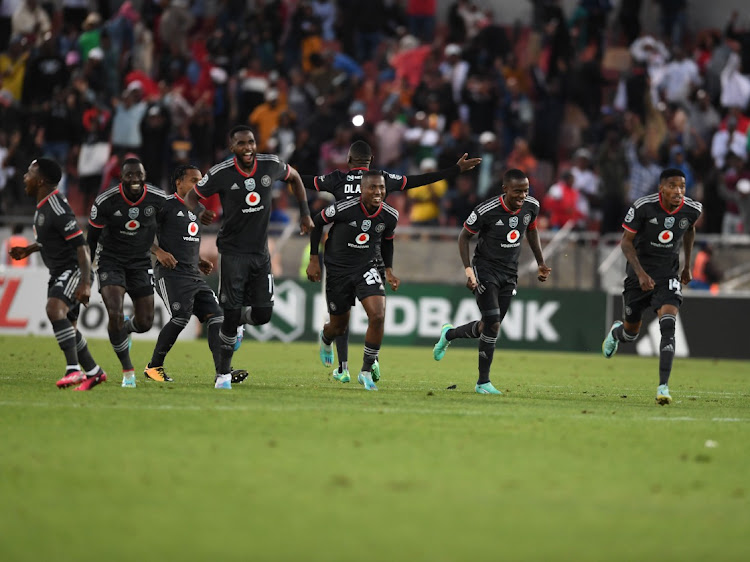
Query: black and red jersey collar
(128, 201)
(358, 169)
(244, 173)
(43, 201)
(671, 212)
(502, 202)
(180, 199)
(364, 210)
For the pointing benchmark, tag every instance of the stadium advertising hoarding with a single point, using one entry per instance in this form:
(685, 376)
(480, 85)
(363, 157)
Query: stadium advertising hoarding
(707, 326)
(538, 319)
(23, 298)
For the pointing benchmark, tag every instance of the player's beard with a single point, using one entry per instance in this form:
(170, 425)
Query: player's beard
(133, 191)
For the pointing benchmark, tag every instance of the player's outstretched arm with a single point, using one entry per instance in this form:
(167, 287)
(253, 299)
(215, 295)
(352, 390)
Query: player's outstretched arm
(536, 248)
(464, 164)
(83, 291)
(295, 181)
(21, 252)
(463, 251)
(628, 248)
(687, 244)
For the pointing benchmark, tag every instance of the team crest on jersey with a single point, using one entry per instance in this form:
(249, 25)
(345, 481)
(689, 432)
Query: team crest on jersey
(366, 224)
(513, 236)
(472, 218)
(40, 219)
(631, 215)
(148, 211)
(527, 219)
(250, 184)
(191, 215)
(203, 180)
(362, 238)
(265, 181)
(395, 177)
(133, 212)
(684, 223)
(332, 306)
(192, 229)
(103, 275)
(94, 212)
(628, 311)
(513, 222)
(176, 306)
(132, 225)
(668, 222)
(666, 236)
(330, 211)
(380, 228)
(252, 199)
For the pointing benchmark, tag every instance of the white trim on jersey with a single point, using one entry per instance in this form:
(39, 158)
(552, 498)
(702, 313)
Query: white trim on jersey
(107, 194)
(56, 205)
(221, 166)
(345, 204)
(654, 197)
(532, 200)
(391, 210)
(488, 206)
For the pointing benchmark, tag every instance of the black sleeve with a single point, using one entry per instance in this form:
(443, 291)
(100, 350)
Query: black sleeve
(432, 177)
(92, 237)
(309, 182)
(386, 250)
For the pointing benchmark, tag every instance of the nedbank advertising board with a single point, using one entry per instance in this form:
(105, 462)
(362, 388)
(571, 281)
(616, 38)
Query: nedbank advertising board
(537, 319)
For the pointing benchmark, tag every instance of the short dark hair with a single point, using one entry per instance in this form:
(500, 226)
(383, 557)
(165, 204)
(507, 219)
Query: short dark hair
(671, 173)
(131, 160)
(238, 129)
(360, 150)
(373, 174)
(179, 173)
(49, 170)
(514, 174)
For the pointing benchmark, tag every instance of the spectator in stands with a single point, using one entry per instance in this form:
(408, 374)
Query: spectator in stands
(13, 67)
(421, 16)
(644, 171)
(586, 183)
(265, 118)
(726, 140)
(612, 168)
(126, 121)
(706, 273)
(30, 21)
(16, 239)
(562, 203)
(425, 200)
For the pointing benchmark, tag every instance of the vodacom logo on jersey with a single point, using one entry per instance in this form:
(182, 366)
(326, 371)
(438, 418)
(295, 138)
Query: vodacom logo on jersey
(513, 236)
(362, 238)
(252, 199)
(132, 225)
(192, 229)
(665, 236)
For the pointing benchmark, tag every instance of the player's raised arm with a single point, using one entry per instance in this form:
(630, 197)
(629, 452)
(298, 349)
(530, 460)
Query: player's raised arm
(464, 164)
(295, 181)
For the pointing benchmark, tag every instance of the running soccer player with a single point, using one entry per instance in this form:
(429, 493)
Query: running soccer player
(122, 226)
(346, 185)
(244, 184)
(178, 276)
(66, 255)
(354, 267)
(501, 223)
(654, 228)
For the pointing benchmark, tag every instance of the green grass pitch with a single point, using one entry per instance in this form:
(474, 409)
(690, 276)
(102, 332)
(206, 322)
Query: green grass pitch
(574, 462)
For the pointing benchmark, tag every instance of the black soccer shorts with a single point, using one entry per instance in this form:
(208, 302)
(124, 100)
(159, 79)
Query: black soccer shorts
(63, 287)
(343, 288)
(245, 280)
(186, 295)
(635, 301)
(137, 278)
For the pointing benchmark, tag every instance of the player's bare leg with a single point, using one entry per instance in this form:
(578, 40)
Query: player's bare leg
(113, 296)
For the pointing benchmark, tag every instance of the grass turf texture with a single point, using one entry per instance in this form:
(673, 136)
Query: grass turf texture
(575, 462)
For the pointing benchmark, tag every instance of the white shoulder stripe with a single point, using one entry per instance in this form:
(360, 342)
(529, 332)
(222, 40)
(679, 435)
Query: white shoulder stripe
(56, 205)
(647, 199)
(346, 203)
(221, 166)
(694, 204)
(107, 194)
(157, 191)
(391, 210)
(488, 206)
(267, 157)
(532, 200)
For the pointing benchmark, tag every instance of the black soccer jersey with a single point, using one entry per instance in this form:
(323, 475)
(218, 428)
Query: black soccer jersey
(500, 233)
(353, 245)
(57, 233)
(658, 234)
(179, 233)
(246, 201)
(345, 185)
(129, 227)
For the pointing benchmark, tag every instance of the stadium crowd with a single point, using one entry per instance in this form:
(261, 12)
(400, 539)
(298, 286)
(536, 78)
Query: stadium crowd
(589, 107)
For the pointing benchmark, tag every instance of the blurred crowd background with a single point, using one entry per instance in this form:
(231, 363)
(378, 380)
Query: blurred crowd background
(578, 97)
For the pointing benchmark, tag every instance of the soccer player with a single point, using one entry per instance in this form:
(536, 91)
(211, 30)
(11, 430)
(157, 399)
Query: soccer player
(122, 226)
(178, 275)
(66, 255)
(654, 228)
(244, 184)
(354, 267)
(500, 222)
(346, 185)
